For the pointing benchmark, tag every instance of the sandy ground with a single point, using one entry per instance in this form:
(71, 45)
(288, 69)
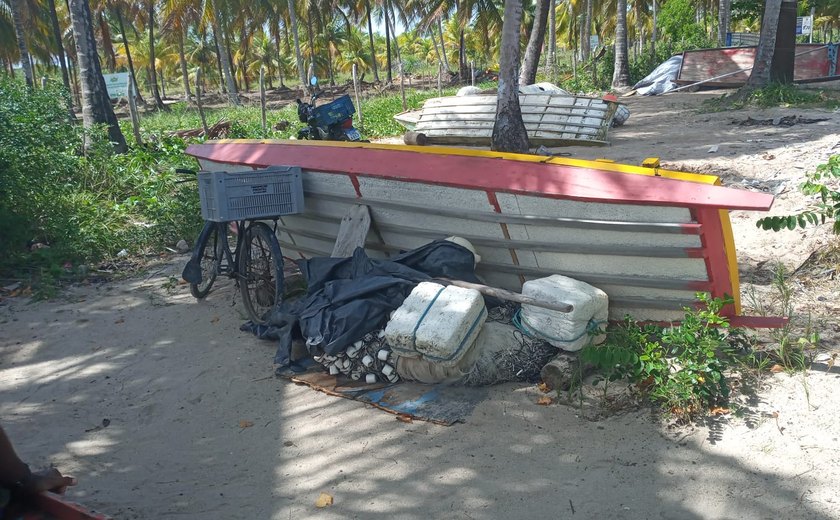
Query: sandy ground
(174, 378)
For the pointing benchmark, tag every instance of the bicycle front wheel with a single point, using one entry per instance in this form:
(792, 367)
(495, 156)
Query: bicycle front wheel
(260, 267)
(209, 263)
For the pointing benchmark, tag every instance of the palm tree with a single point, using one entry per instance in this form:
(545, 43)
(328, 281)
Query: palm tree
(96, 105)
(509, 133)
(224, 56)
(117, 9)
(25, 60)
(62, 59)
(294, 28)
(152, 61)
(621, 71)
(760, 75)
(724, 14)
(535, 43)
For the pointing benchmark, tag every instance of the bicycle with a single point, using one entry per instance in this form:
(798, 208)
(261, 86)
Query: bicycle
(255, 262)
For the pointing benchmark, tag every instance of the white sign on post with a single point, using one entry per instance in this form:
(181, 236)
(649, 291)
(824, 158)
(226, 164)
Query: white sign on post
(804, 25)
(117, 84)
(593, 41)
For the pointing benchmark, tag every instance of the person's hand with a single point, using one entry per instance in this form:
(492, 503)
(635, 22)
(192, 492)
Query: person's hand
(51, 480)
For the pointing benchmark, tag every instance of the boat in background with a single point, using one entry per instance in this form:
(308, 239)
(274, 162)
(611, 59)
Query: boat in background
(650, 238)
(551, 119)
(813, 63)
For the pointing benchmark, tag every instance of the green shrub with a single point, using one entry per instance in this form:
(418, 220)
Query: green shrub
(83, 206)
(679, 368)
(823, 186)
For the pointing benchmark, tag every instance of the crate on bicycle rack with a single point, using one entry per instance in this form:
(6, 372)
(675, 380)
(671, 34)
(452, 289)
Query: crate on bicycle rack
(228, 196)
(335, 111)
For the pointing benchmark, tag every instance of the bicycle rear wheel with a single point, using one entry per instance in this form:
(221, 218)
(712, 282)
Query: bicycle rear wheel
(260, 266)
(209, 263)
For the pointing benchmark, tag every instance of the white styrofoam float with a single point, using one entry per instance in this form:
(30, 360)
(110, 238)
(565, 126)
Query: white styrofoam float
(569, 331)
(436, 323)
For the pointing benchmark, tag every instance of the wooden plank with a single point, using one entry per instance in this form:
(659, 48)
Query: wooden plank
(427, 126)
(507, 218)
(649, 282)
(524, 245)
(352, 231)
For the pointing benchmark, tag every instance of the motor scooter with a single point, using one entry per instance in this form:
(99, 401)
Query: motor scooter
(330, 122)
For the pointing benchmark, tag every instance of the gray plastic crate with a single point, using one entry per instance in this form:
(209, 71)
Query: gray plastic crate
(228, 196)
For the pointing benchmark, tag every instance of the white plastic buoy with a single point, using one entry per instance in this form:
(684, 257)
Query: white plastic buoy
(367, 361)
(383, 355)
(387, 370)
(333, 370)
(370, 378)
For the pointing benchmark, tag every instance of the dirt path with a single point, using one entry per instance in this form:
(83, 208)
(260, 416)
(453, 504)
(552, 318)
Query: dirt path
(175, 378)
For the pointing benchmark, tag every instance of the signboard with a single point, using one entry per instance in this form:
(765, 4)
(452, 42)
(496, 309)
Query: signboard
(593, 41)
(117, 84)
(804, 25)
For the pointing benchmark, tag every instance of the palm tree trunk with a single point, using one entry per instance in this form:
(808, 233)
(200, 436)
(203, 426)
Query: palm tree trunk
(437, 49)
(244, 47)
(152, 67)
(389, 10)
(277, 46)
(118, 12)
(654, 32)
(233, 96)
(760, 75)
(638, 48)
(298, 57)
(442, 45)
(724, 11)
(463, 70)
(62, 59)
(107, 44)
(96, 105)
(389, 77)
(372, 47)
(310, 20)
(509, 133)
(586, 32)
(222, 77)
(552, 40)
(535, 42)
(17, 18)
(183, 59)
(621, 72)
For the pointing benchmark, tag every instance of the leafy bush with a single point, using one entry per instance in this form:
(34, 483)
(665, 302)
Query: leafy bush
(823, 185)
(680, 368)
(86, 206)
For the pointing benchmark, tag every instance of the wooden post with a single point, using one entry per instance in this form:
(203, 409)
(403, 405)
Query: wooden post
(472, 73)
(440, 74)
(198, 91)
(262, 99)
(356, 90)
(44, 82)
(132, 110)
(402, 87)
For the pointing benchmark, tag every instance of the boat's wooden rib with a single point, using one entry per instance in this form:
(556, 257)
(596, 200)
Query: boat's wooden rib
(650, 238)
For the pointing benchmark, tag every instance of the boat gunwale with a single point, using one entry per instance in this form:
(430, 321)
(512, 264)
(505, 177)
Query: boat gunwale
(568, 181)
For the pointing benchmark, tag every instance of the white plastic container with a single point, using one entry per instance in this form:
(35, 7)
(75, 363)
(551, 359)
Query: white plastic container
(565, 330)
(437, 323)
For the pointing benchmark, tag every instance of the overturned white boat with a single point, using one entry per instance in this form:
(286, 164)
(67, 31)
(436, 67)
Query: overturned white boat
(551, 119)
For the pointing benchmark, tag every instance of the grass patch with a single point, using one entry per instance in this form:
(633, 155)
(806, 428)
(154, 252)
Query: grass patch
(774, 95)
